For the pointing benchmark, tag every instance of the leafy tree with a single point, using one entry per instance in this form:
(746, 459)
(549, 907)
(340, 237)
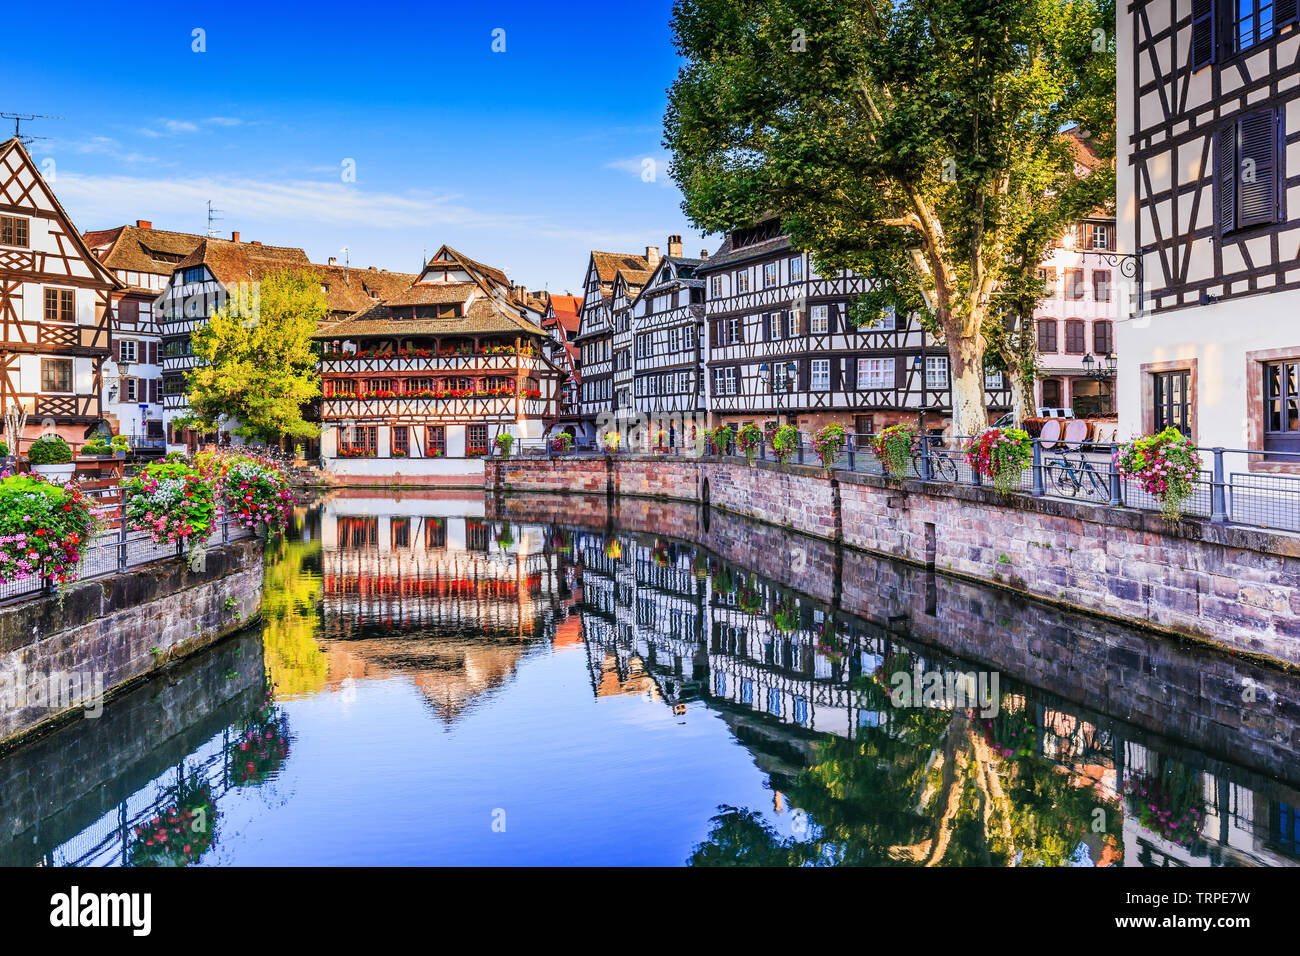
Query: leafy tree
(256, 363)
(909, 140)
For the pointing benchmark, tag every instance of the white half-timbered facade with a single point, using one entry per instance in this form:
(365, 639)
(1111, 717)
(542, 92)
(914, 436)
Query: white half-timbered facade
(1209, 199)
(782, 348)
(55, 308)
(595, 338)
(418, 387)
(143, 260)
(668, 344)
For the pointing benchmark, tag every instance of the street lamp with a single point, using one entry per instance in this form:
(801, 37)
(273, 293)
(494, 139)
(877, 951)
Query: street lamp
(779, 379)
(1100, 371)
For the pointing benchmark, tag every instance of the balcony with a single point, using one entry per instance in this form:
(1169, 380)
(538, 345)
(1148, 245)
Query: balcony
(426, 360)
(432, 405)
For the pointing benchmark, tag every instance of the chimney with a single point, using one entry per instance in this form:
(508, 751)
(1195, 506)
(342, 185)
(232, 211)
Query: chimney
(234, 237)
(256, 242)
(704, 253)
(522, 290)
(143, 224)
(675, 247)
(334, 260)
(652, 255)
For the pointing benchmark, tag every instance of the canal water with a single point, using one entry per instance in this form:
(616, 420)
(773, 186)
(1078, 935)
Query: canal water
(453, 680)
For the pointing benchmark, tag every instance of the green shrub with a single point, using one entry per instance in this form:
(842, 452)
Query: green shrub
(49, 450)
(118, 441)
(96, 448)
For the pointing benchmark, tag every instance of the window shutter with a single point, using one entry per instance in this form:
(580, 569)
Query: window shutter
(803, 374)
(836, 374)
(1225, 176)
(153, 390)
(153, 353)
(1284, 12)
(117, 350)
(1203, 31)
(1257, 169)
(715, 333)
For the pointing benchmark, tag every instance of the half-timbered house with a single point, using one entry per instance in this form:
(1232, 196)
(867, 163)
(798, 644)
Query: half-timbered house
(595, 338)
(143, 259)
(560, 322)
(782, 347)
(418, 387)
(668, 346)
(55, 307)
(1209, 196)
(628, 284)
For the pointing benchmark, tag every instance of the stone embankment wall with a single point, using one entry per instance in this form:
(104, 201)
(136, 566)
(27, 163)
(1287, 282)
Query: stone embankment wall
(113, 630)
(1237, 588)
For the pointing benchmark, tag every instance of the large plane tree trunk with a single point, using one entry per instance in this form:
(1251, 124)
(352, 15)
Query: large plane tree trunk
(969, 412)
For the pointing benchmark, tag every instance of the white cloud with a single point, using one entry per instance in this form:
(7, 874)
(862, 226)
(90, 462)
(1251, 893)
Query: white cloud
(223, 121)
(113, 198)
(650, 168)
(179, 126)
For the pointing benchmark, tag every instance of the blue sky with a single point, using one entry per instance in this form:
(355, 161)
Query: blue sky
(525, 159)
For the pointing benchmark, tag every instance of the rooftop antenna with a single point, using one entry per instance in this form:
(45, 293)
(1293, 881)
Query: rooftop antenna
(213, 218)
(20, 118)
(347, 276)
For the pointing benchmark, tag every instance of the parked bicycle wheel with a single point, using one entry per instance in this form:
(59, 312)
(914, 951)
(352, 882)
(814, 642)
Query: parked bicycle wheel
(1058, 475)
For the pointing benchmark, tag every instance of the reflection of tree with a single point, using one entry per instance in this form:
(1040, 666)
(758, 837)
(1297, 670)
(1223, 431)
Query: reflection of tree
(291, 591)
(930, 787)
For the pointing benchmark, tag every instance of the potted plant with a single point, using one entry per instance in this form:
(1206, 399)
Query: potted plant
(610, 440)
(173, 502)
(51, 456)
(119, 445)
(1001, 455)
(785, 442)
(43, 529)
(719, 439)
(748, 441)
(254, 491)
(893, 449)
(828, 441)
(1166, 465)
(561, 443)
(96, 449)
(505, 441)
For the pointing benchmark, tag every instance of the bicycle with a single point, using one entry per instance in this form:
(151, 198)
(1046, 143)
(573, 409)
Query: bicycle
(1070, 478)
(943, 466)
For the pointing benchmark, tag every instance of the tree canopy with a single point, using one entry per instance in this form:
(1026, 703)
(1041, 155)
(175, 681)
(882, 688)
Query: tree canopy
(256, 363)
(918, 142)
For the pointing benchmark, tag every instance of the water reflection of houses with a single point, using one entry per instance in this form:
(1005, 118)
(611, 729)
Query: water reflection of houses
(430, 589)
(784, 671)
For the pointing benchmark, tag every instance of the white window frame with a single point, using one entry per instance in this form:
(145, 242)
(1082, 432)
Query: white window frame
(936, 371)
(774, 325)
(674, 340)
(819, 375)
(888, 320)
(122, 350)
(876, 373)
(715, 287)
(684, 382)
(819, 319)
(771, 274)
(795, 267)
(742, 281)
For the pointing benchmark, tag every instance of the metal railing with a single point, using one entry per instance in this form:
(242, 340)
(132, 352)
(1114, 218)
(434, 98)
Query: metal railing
(1234, 486)
(118, 547)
